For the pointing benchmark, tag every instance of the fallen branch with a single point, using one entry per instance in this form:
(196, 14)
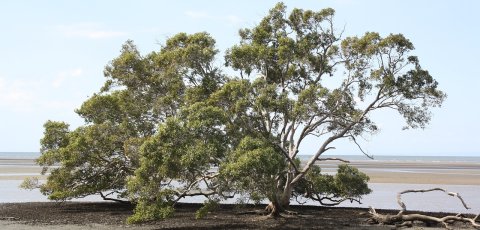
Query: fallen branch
(404, 208)
(402, 219)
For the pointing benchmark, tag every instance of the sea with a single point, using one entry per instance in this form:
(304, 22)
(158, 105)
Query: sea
(19, 155)
(392, 158)
(382, 197)
(404, 158)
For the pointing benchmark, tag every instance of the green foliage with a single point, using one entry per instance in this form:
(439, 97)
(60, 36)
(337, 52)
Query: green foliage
(145, 211)
(140, 93)
(347, 184)
(171, 163)
(253, 167)
(29, 183)
(88, 150)
(55, 138)
(169, 124)
(351, 182)
(208, 206)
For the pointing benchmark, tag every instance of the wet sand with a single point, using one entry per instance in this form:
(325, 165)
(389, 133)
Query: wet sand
(455, 173)
(450, 173)
(19, 169)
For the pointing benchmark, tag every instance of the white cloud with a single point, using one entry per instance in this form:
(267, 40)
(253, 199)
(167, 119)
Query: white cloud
(89, 30)
(198, 14)
(14, 95)
(28, 95)
(230, 19)
(62, 76)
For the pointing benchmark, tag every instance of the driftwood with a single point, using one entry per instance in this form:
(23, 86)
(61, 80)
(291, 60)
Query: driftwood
(401, 219)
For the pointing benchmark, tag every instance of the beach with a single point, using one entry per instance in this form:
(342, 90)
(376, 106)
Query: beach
(413, 172)
(19, 169)
(402, 172)
(387, 178)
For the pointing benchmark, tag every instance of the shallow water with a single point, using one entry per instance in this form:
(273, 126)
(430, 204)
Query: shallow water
(11, 193)
(382, 197)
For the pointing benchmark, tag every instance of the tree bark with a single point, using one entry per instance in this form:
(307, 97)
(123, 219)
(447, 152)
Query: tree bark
(280, 202)
(274, 209)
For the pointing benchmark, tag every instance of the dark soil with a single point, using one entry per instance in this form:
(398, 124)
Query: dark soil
(226, 217)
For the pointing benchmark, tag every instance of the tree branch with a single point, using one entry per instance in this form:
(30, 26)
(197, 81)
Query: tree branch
(286, 155)
(189, 188)
(360, 147)
(342, 133)
(105, 197)
(333, 159)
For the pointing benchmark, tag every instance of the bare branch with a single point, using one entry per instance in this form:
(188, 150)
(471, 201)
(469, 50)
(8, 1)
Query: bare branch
(285, 154)
(105, 197)
(329, 148)
(332, 201)
(400, 202)
(360, 147)
(298, 201)
(187, 191)
(401, 218)
(333, 159)
(341, 134)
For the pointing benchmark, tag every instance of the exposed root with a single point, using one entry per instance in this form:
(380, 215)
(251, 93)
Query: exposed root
(401, 219)
(290, 213)
(273, 210)
(276, 211)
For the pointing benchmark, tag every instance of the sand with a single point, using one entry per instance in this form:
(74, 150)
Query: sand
(451, 173)
(455, 173)
(19, 169)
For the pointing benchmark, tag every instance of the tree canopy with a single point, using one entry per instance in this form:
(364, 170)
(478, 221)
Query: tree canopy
(171, 124)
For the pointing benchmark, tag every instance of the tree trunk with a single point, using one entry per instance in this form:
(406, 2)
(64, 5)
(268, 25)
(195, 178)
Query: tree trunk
(273, 209)
(280, 202)
(286, 195)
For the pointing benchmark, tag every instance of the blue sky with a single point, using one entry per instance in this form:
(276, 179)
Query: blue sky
(52, 55)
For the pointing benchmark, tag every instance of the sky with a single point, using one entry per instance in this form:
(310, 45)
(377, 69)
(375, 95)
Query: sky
(52, 56)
